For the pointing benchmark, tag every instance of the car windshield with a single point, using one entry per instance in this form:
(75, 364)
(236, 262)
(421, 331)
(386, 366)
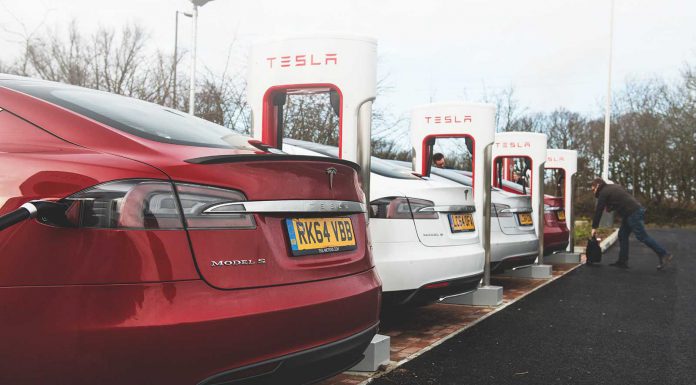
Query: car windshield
(378, 166)
(146, 120)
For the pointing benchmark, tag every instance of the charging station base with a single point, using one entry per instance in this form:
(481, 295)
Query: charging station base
(483, 296)
(532, 271)
(564, 257)
(376, 354)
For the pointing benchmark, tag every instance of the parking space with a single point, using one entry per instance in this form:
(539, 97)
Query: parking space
(414, 331)
(597, 325)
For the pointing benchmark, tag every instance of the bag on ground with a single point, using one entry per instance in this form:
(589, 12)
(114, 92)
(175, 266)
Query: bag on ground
(594, 251)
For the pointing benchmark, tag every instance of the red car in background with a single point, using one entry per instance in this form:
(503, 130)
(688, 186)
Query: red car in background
(173, 251)
(556, 233)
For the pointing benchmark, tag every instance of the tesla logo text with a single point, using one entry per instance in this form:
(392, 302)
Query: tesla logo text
(238, 262)
(513, 144)
(302, 60)
(331, 172)
(439, 119)
(555, 159)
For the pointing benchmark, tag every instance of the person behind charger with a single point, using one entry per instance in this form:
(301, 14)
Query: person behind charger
(615, 197)
(519, 179)
(439, 160)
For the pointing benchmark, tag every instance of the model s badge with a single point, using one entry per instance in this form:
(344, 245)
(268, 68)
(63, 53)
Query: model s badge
(331, 172)
(238, 262)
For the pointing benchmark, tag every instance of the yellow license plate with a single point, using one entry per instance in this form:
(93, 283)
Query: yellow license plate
(461, 222)
(561, 215)
(320, 235)
(525, 219)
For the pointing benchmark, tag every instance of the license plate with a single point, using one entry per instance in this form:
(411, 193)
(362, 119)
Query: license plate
(320, 235)
(461, 222)
(561, 215)
(525, 219)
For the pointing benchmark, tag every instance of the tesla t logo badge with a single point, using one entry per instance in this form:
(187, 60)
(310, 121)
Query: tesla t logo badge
(331, 172)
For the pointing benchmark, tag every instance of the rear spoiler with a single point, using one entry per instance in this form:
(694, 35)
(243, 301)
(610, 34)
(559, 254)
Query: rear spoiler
(218, 159)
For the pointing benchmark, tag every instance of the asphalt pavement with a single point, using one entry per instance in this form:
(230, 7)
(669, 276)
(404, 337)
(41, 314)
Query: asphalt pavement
(596, 325)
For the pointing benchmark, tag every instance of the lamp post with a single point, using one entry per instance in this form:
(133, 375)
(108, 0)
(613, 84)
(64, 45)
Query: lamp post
(607, 113)
(176, 55)
(192, 96)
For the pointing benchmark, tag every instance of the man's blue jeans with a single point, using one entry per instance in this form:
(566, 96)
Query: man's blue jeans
(634, 223)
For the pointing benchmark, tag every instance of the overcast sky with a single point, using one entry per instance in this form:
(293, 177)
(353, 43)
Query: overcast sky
(553, 53)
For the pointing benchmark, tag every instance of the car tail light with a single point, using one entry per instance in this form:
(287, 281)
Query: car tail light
(152, 204)
(390, 208)
(417, 205)
(196, 199)
(401, 208)
(500, 210)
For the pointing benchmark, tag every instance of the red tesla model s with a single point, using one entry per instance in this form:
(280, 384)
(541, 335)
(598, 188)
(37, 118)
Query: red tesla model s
(142, 245)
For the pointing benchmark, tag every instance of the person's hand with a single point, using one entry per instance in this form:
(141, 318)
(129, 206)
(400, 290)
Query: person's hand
(594, 232)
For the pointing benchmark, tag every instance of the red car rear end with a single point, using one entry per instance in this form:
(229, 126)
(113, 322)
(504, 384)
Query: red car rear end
(556, 233)
(186, 255)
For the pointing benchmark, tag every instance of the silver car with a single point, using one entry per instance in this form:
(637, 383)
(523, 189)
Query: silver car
(513, 240)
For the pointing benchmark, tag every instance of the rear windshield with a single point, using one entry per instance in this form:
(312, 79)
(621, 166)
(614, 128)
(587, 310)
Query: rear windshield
(146, 120)
(378, 166)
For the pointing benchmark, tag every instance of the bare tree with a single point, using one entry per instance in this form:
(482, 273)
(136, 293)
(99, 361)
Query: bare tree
(563, 128)
(50, 57)
(507, 107)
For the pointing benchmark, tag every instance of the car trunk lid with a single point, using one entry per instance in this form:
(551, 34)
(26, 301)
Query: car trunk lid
(514, 213)
(554, 207)
(452, 202)
(313, 202)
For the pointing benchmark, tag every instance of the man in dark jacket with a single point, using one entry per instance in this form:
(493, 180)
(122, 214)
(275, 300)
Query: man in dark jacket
(615, 197)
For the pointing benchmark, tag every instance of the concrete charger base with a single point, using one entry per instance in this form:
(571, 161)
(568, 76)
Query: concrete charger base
(532, 271)
(563, 257)
(483, 296)
(376, 354)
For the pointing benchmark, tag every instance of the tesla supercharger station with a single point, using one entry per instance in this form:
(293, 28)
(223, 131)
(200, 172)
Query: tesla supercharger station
(566, 160)
(462, 120)
(345, 67)
(532, 146)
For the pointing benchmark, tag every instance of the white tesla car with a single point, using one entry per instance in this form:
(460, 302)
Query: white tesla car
(513, 240)
(424, 239)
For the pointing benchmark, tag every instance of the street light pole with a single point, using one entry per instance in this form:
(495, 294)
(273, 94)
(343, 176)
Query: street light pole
(192, 86)
(607, 113)
(192, 95)
(176, 55)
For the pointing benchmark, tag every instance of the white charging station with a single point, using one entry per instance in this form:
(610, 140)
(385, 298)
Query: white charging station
(462, 120)
(529, 145)
(345, 65)
(566, 160)
(342, 65)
